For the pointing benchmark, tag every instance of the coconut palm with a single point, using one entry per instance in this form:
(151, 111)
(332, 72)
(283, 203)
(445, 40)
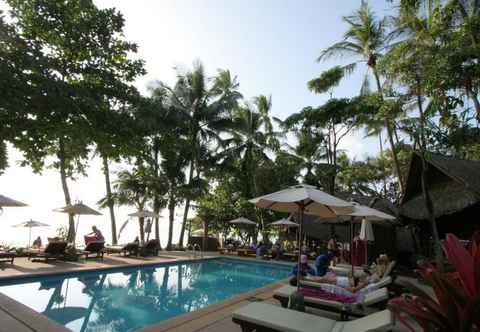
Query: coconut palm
(366, 39)
(204, 109)
(251, 139)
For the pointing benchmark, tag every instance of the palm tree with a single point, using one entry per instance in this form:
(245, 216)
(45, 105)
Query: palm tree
(204, 110)
(251, 139)
(366, 39)
(136, 188)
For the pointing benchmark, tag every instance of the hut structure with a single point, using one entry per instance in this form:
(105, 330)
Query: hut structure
(454, 187)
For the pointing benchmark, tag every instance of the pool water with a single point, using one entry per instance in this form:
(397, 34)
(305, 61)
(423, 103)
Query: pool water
(130, 298)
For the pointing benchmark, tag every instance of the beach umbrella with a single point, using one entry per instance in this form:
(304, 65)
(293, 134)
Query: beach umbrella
(144, 214)
(78, 209)
(242, 221)
(141, 214)
(368, 214)
(304, 199)
(9, 202)
(284, 222)
(30, 224)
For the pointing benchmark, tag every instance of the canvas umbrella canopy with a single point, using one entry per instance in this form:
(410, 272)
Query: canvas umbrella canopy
(141, 214)
(78, 209)
(30, 224)
(304, 199)
(242, 220)
(144, 214)
(9, 202)
(284, 222)
(368, 214)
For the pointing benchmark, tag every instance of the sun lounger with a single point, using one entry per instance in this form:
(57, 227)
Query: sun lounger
(96, 248)
(150, 248)
(373, 300)
(129, 249)
(53, 250)
(271, 318)
(7, 256)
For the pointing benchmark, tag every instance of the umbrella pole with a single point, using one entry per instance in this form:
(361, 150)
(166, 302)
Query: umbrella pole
(29, 236)
(76, 229)
(300, 224)
(351, 248)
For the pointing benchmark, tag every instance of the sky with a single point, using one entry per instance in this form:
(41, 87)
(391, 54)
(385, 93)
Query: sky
(270, 45)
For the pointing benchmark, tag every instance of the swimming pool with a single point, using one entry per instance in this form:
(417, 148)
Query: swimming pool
(130, 298)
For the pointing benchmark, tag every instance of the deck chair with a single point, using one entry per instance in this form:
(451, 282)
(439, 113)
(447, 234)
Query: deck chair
(270, 318)
(54, 250)
(150, 248)
(7, 256)
(129, 249)
(376, 299)
(96, 248)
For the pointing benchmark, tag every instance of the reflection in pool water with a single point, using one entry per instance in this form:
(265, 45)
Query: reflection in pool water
(131, 298)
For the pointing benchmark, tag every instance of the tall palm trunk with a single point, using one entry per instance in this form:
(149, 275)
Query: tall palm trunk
(187, 207)
(141, 222)
(156, 200)
(390, 135)
(171, 216)
(425, 192)
(110, 203)
(63, 176)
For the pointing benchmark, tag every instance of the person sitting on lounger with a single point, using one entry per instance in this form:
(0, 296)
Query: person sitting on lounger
(37, 244)
(95, 235)
(305, 268)
(322, 263)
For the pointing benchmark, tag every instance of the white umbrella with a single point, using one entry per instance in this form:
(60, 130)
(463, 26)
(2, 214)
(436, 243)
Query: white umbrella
(284, 222)
(367, 213)
(243, 221)
(366, 231)
(9, 202)
(78, 209)
(30, 224)
(304, 199)
(144, 214)
(140, 215)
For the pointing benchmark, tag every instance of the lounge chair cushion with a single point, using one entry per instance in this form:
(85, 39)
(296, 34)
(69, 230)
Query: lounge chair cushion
(286, 320)
(371, 298)
(281, 319)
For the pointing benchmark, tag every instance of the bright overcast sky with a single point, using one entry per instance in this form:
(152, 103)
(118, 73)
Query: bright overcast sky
(271, 45)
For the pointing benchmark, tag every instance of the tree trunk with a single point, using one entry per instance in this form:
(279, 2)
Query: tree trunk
(187, 207)
(110, 203)
(425, 193)
(381, 154)
(171, 216)
(476, 104)
(156, 201)
(141, 222)
(205, 235)
(390, 136)
(63, 176)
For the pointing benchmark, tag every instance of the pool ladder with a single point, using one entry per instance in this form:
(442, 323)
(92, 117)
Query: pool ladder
(193, 249)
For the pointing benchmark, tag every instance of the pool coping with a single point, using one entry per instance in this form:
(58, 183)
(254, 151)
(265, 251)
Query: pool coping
(30, 320)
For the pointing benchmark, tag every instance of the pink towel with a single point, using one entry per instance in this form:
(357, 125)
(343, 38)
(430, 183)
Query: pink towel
(324, 295)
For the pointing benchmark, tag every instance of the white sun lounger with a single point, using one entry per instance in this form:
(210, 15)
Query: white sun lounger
(376, 297)
(270, 318)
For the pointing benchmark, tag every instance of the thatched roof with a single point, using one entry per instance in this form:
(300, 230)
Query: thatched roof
(453, 184)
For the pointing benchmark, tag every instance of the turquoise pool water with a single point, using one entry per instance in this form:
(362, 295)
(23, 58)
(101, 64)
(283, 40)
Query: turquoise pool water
(127, 299)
